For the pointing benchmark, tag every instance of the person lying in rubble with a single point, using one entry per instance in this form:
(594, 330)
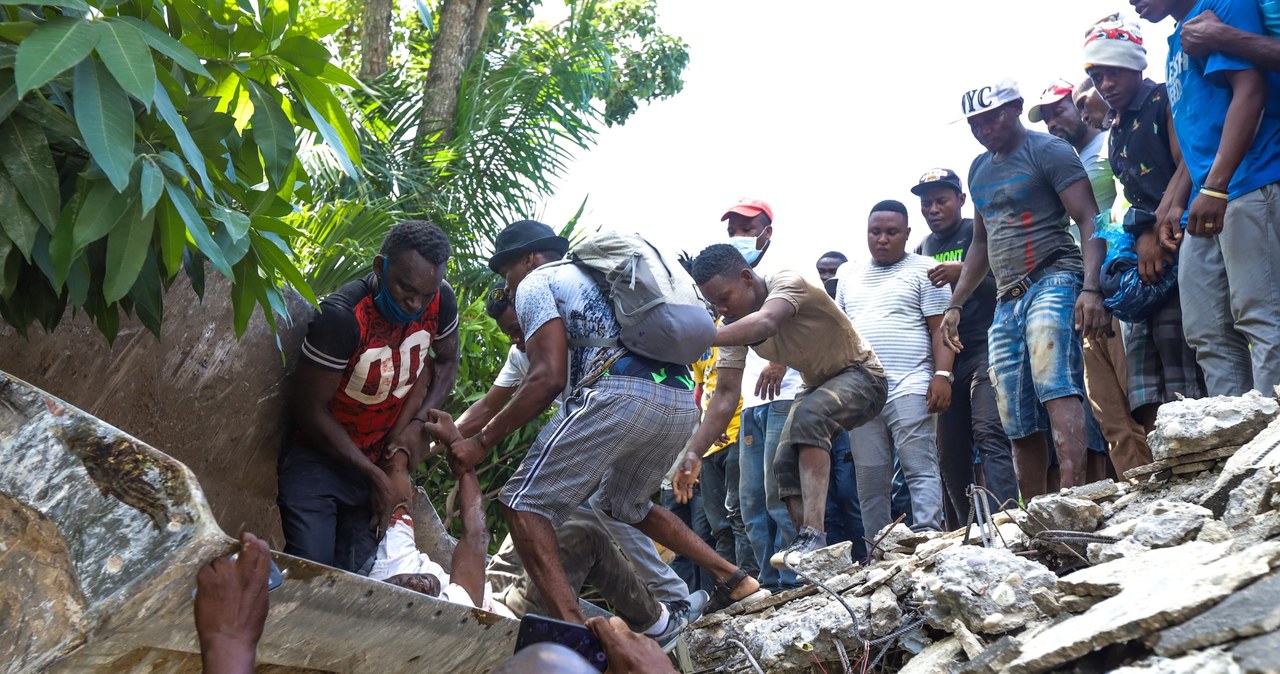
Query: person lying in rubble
(588, 553)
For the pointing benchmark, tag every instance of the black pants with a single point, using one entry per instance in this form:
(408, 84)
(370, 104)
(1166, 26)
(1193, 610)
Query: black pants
(973, 420)
(325, 510)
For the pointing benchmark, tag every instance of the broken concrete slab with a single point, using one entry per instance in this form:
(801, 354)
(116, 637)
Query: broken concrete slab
(1062, 513)
(1259, 655)
(1145, 605)
(1251, 497)
(1169, 523)
(827, 562)
(1171, 463)
(1204, 662)
(987, 589)
(1252, 610)
(1190, 426)
(941, 657)
(886, 615)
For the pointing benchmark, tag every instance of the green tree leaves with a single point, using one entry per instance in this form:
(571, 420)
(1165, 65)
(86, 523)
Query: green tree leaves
(105, 118)
(24, 153)
(125, 53)
(53, 48)
(128, 156)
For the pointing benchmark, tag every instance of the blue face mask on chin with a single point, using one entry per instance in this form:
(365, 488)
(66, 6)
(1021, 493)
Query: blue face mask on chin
(747, 246)
(388, 306)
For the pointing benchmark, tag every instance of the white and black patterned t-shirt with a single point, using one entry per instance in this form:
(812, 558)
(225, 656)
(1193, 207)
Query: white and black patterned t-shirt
(889, 305)
(568, 293)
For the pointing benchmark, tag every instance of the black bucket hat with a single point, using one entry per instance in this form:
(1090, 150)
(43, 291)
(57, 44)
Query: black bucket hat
(523, 237)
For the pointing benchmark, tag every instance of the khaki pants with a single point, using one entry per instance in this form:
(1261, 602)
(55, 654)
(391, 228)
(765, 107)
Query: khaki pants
(1105, 377)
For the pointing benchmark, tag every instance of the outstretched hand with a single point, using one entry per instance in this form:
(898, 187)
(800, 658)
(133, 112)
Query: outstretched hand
(231, 606)
(686, 476)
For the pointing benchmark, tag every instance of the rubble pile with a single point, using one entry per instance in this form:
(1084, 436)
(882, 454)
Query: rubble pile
(1175, 570)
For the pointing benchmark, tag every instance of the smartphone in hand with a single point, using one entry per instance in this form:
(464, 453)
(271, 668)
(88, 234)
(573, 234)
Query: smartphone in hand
(580, 639)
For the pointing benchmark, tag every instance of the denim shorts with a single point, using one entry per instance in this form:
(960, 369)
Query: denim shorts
(1036, 352)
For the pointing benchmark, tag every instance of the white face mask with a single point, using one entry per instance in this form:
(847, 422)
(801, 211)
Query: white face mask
(747, 246)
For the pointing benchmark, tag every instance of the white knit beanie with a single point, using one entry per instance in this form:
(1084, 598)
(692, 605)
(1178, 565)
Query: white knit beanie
(1115, 42)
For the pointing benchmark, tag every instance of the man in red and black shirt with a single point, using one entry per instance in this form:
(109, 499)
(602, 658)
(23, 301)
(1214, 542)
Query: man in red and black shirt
(362, 391)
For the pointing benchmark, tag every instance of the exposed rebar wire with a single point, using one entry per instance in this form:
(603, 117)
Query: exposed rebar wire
(750, 658)
(853, 617)
(844, 656)
(871, 551)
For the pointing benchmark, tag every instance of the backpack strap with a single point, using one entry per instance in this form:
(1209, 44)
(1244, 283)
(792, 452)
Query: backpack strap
(602, 342)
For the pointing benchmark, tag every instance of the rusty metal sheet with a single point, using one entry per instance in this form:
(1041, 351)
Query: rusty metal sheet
(101, 536)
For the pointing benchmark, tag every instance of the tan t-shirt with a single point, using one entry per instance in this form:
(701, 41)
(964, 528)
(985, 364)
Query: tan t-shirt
(819, 340)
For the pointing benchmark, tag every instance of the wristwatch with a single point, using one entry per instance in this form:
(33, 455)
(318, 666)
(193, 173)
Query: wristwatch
(951, 378)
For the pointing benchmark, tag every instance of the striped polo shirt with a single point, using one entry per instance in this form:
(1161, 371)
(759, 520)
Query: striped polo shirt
(889, 305)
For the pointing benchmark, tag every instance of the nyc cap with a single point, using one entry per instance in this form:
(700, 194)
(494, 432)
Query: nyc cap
(989, 97)
(1055, 92)
(937, 176)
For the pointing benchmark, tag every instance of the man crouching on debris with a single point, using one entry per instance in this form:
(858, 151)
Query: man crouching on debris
(788, 320)
(361, 396)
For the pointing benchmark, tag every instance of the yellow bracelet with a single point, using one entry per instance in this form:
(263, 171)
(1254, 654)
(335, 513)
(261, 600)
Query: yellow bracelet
(1214, 193)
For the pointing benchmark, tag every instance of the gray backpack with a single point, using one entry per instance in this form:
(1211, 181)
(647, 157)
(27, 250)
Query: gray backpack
(658, 306)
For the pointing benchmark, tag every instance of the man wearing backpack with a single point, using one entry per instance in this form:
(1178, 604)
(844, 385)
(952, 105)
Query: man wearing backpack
(618, 432)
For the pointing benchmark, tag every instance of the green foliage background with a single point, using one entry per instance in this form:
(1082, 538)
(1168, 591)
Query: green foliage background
(143, 139)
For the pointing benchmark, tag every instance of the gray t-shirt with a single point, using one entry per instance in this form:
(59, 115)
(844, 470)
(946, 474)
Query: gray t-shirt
(566, 292)
(1018, 200)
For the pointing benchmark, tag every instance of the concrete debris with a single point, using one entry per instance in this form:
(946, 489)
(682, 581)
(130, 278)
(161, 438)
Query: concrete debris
(1177, 571)
(987, 590)
(1188, 427)
(1062, 513)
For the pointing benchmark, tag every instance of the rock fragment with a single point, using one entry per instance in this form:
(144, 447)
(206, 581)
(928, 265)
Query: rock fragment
(989, 590)
(1191, 426)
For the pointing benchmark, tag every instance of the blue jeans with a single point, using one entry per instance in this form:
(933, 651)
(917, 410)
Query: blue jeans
(844, 514)
(695, 518)
(719, 482)
(768, 524)
(1036, 354)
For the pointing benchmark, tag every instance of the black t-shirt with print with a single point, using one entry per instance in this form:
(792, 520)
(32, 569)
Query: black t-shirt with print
(1140, 156)
(976, 314)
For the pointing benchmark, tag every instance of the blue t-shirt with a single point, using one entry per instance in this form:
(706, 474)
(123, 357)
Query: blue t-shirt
(1270, 16)
(1200, 94)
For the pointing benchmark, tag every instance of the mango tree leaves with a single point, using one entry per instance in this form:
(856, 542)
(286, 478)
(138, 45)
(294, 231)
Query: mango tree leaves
(105, 118)
(151, 184)
(24, 152)
(125, 52)
(275, 135)
(197, 228)
(165, 44)
(125, 159)
(126, 250)
(330, 120)
(17, 220)
(53, 48)
(190, 150)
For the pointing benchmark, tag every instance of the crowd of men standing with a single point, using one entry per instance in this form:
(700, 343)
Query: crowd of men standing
(988, 356)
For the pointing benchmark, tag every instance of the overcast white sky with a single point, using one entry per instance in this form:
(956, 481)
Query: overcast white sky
(822, 109)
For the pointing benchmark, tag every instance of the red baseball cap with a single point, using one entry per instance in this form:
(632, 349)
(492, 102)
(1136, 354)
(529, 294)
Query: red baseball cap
(1057, 91)
(749, 208)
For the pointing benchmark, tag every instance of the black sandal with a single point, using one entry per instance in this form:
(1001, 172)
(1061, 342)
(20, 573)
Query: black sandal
(723, 596)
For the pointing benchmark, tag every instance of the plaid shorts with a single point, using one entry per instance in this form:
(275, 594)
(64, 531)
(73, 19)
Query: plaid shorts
(1160, 362)
(619, 435)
